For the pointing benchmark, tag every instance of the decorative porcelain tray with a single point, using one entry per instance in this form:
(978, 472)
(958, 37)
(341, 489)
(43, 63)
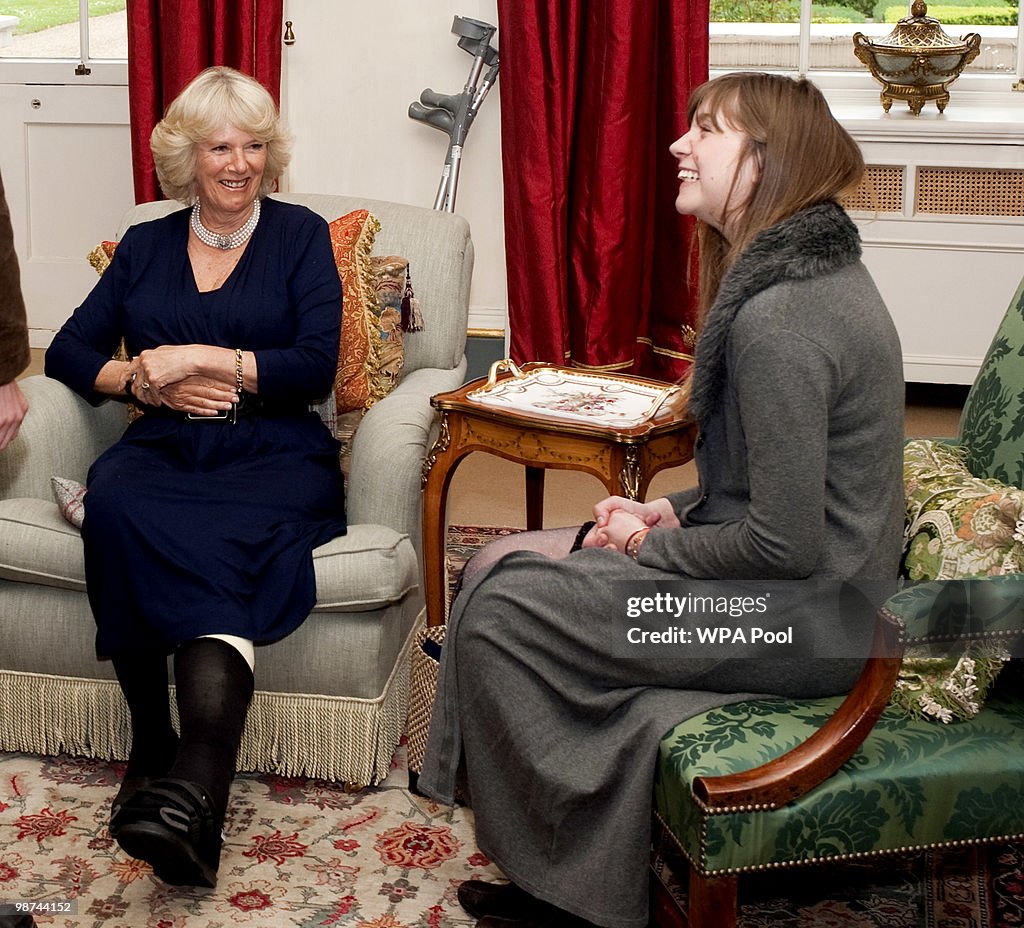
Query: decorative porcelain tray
(574, 395)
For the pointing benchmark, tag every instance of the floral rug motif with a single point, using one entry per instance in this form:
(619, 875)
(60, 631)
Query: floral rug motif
(297, 852)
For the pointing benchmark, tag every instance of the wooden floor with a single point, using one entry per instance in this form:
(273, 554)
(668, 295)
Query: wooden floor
(487, 490)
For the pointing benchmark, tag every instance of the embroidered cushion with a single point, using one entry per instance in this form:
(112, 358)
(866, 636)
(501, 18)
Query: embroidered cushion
(958, 526)
(378, 306)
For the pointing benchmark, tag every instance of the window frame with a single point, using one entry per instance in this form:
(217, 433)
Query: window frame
(982, 105)
(83, 70)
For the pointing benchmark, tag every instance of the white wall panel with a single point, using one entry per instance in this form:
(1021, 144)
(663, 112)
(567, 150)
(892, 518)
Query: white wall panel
(67, 170)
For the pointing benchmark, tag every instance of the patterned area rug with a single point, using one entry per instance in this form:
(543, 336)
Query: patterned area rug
(961, 888)
(304, 853)
(463, 542)
(297, 853)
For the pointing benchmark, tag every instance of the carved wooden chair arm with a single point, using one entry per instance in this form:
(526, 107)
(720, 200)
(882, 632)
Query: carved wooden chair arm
(791, 775)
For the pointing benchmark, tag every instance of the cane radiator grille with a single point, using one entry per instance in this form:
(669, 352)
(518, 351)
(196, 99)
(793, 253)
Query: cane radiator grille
(970, 191)
(879, 191)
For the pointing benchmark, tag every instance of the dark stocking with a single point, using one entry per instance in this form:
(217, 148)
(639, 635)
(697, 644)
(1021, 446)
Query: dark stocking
(143, 679)
(214, 687)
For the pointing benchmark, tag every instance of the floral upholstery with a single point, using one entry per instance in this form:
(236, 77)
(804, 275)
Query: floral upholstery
(992, 424)
(908, 785)
(958, 525)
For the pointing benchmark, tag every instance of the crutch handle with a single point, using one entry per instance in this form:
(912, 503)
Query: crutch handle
(432, 116)
(446, 101)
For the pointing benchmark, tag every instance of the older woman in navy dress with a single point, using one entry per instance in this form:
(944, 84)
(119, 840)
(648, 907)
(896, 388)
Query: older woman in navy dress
(200, 522)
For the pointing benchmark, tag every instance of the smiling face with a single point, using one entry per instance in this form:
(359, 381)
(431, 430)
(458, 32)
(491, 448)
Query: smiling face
(229, 169)
(715, 180)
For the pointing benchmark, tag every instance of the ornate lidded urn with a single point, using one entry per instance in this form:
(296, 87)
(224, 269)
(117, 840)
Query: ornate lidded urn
(917, 61)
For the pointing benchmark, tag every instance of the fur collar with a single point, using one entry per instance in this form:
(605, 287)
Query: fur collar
(811, 243)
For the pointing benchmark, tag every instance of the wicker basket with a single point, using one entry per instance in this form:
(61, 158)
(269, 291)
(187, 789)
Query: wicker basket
(422, 688)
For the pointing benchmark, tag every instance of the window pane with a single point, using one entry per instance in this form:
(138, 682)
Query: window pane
(108, 29)
(50, 29)
(765, 33)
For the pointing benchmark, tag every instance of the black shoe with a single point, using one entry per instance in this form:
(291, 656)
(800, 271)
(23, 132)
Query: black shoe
(172, 826)
(480, 898)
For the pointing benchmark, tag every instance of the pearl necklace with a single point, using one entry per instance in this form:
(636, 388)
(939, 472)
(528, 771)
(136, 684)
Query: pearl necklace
(223, 241)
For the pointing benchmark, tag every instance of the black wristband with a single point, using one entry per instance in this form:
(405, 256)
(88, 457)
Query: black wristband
(128, 385)
(577, 545)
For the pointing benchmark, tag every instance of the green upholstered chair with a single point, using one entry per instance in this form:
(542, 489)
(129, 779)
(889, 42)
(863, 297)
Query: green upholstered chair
(773, 783)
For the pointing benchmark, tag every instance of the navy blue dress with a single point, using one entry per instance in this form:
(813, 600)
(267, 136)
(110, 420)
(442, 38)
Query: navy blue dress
(196, 528)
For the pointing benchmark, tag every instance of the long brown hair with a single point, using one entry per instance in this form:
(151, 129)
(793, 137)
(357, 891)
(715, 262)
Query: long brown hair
(801, 154)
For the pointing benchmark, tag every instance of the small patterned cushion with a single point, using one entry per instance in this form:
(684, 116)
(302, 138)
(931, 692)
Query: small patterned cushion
(375, 290)
(100, 256)
(70, 497)
(373, 352)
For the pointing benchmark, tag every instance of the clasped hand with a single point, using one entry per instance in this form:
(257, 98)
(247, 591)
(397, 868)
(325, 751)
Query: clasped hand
(174, 376)
(617, 518)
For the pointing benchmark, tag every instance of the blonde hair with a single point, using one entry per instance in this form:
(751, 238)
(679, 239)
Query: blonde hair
(801, 156)
(215, 98)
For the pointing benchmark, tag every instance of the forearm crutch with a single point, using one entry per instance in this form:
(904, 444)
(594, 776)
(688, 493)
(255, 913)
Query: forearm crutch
(454, 113)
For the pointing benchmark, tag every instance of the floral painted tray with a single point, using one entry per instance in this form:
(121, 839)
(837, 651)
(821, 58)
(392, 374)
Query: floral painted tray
(611, 400)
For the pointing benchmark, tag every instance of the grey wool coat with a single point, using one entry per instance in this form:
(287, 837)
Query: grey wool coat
(798, 393)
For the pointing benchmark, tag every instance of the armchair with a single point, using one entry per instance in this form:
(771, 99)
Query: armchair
(772, 783)
(331, 698)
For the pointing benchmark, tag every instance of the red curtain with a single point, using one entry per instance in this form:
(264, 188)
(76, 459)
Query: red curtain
(592, 94)
(171, 41)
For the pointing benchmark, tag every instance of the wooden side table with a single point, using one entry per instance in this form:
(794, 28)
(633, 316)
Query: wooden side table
(624, 459)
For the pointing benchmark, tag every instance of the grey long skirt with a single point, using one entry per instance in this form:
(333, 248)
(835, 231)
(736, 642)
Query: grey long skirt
(559, 737)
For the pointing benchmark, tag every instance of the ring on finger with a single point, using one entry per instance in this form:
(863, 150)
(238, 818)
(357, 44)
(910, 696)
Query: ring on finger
(145, 384)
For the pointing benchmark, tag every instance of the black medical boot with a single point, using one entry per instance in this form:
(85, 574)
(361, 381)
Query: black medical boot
(175, 824)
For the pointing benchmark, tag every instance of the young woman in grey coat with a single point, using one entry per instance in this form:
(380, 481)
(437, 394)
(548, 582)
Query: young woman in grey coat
(797, 390)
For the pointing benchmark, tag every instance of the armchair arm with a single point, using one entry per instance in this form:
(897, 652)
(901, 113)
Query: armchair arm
(388, 451)
(788, 777)
(61, 436)
(963, 609)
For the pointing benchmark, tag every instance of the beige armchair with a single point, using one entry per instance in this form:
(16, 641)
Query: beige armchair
(331, 698)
